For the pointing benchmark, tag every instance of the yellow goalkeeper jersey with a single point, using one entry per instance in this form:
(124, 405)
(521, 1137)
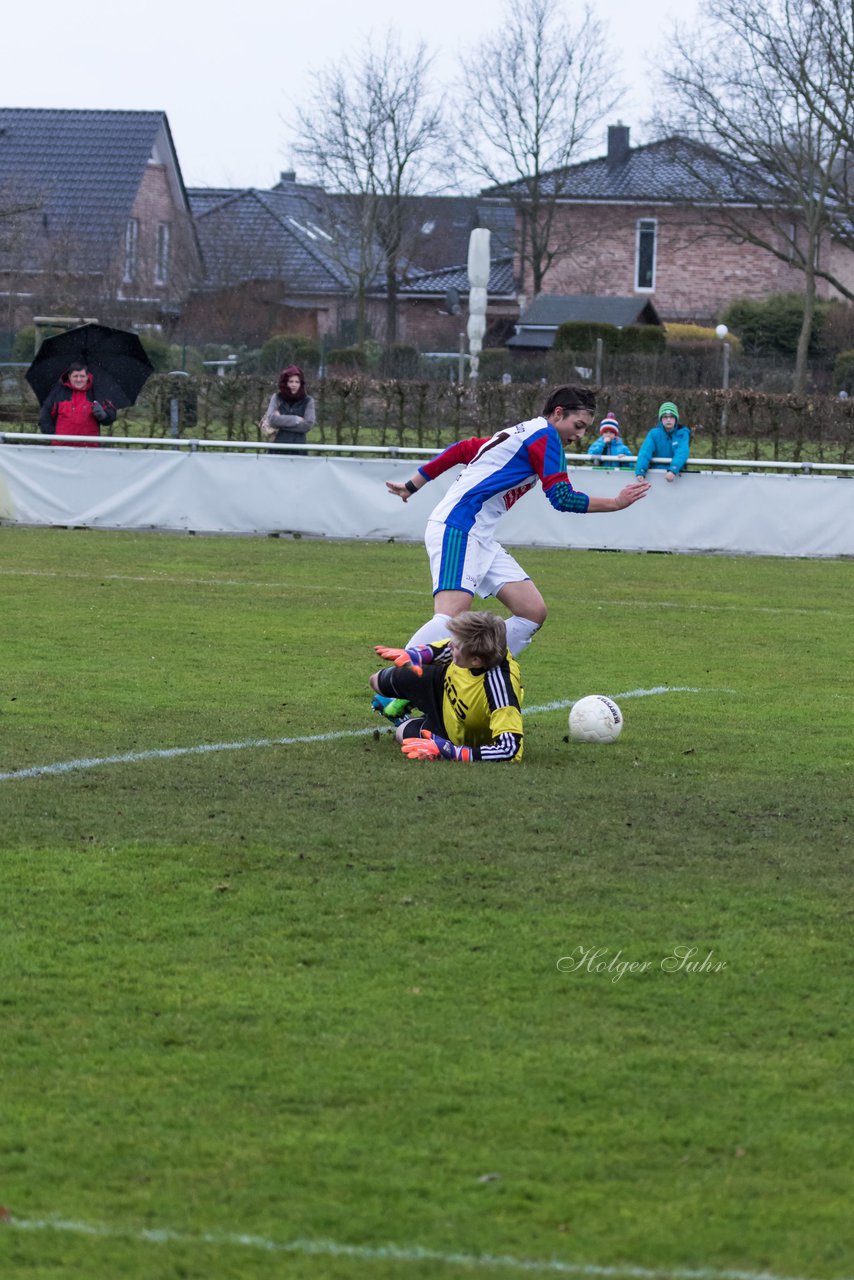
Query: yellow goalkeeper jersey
(482, 709)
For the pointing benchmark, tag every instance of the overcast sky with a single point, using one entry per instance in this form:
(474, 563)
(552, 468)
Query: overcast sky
(228, 75)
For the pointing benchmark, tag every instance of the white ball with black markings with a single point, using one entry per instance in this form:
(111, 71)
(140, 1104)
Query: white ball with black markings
(595, 719)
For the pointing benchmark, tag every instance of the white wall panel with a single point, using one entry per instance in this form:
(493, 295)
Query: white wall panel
(333, 497)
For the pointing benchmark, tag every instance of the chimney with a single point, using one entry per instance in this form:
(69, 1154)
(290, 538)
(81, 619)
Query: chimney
(618, 143)
(288, 177)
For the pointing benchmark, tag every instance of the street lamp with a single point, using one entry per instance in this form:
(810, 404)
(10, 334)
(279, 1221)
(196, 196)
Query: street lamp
(721, 332)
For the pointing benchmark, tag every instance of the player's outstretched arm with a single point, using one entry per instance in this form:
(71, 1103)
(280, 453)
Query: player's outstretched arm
(404, 489)
(415, 657)
(630, 493)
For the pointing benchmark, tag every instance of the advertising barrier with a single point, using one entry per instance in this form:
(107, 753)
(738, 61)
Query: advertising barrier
(345, 497)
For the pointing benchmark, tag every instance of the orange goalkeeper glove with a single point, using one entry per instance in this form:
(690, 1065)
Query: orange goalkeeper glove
(431, 747)
(402, 657)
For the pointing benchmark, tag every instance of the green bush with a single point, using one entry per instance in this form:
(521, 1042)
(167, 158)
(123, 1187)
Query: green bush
(158, 351)
(399, 361)
(641, 338)
(283, 349)
(843, 372)
(578, 335)
(494, 361)
(351, 359)
(773, 325)
(24, 346)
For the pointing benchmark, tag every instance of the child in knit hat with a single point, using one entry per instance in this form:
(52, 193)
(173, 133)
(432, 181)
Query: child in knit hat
(669, 441)
(610, 444)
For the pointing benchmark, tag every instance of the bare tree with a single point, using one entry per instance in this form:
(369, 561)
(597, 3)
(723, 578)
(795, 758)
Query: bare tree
(373, 135)
(761, 83)
(533, 98)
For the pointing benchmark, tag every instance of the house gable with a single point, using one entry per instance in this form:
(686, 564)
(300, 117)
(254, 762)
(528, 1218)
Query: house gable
(83, 177)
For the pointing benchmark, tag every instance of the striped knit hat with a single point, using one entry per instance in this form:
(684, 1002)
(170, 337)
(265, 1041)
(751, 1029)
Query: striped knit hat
(668, 407)
(609, 423)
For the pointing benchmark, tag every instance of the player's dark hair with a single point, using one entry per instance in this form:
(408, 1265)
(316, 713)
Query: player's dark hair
(482, 637)
(570, 398)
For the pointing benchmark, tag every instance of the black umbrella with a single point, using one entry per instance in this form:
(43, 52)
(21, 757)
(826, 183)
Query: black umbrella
(115, 358)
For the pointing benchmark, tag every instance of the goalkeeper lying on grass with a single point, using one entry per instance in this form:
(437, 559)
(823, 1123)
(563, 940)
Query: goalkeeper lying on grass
(468, 688)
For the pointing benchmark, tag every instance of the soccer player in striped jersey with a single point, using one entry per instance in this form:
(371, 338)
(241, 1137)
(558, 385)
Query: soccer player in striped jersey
(468, 688)
(465, 558)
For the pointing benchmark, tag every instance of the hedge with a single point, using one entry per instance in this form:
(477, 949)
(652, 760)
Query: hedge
(359, 410)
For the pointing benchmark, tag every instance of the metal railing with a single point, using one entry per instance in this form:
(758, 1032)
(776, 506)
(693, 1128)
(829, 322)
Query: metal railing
(189, 445)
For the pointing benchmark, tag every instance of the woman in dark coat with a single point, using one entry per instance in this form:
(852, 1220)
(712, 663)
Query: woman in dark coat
(71, 409)
(291, 410)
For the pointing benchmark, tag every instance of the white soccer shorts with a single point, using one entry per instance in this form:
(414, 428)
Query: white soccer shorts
(462, 562)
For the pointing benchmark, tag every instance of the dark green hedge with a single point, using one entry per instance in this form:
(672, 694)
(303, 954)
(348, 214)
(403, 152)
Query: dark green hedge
(633, 338)
(359, 410)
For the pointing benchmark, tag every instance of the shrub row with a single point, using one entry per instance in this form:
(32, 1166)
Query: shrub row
(392, 412)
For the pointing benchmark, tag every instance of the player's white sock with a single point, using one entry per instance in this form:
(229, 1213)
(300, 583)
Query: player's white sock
(520, 633)
(433, 632)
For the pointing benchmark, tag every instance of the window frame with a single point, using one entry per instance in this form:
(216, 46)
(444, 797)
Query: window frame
(646, 226)
(131, 250)
(162, 260)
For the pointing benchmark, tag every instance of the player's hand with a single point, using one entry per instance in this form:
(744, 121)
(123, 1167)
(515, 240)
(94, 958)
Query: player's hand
(400, 657)
(430, 747)
(669, 476)
(423, 748)
(398, 489)
(631, 493)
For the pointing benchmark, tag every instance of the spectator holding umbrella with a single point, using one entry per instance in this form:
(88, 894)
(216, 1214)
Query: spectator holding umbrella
(72, 409)
(82, 376)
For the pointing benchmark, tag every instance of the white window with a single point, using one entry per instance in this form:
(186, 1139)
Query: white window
(131, 248)
(161, 269)
(645, 254)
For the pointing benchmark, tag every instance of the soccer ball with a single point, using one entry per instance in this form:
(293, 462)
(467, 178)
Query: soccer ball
(595, 719)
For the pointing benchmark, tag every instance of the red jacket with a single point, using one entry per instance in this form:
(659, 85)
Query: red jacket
(67, 412)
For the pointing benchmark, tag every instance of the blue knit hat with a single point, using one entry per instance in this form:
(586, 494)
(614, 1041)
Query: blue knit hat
(609, 423)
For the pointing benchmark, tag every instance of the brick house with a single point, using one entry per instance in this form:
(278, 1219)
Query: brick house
(287, 259)
(94, 217)
(275, 261)
(637, 221)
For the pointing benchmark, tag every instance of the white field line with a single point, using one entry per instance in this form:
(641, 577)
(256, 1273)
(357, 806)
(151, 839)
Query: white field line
(281, 586)
(204, 748)
(385, 1253)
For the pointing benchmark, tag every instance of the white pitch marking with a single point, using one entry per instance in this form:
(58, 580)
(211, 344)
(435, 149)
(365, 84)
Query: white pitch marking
(388, 1252)
(169, 753)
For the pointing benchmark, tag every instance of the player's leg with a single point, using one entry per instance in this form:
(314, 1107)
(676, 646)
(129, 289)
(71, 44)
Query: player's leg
(454, 566)
(402, 685)
(528, 612)
(508, 582)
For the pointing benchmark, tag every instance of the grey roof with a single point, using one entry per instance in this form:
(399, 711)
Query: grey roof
(80, 172)
(283, 234)
(673, 170)
(552, 309)
(501, 282)
(539, 322)
(298, 234)
(441, 227)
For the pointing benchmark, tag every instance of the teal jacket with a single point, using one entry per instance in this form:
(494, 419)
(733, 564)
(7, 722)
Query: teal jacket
(617, 449)
(659, 443)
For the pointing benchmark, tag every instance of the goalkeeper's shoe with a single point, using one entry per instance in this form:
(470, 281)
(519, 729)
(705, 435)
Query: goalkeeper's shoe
(394, 709)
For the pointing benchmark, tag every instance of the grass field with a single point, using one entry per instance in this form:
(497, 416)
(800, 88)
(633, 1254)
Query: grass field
(299, 1007)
